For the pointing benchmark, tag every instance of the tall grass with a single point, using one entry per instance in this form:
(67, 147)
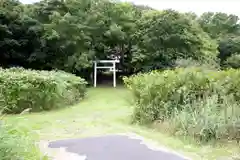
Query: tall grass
(193, 102)
(208, 120)
(14, 145)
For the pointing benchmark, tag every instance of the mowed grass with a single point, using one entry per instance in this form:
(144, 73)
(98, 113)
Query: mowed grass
(104, 111)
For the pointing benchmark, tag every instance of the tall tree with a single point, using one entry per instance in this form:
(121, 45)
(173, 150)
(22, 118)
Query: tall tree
(19, 34)
(165, 36)
(219, 25)
(225, 29)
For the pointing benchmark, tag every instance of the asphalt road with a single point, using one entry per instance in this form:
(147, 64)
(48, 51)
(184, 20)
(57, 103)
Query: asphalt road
(115, 147)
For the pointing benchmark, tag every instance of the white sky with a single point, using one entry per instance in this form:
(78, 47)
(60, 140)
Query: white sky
(197, 6)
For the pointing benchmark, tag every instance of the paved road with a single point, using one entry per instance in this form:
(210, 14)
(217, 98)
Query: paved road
(115, 147)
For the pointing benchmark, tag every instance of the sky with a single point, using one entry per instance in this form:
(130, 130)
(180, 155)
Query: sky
(197, 6)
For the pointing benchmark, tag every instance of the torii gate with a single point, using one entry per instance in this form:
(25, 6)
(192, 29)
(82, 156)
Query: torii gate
(112, 68)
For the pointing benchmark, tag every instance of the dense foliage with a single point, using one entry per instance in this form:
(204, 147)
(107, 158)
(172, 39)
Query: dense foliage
(69, 35)
(38, 90)
(15, 146)
(226, 30)
(194, 101)
(166, 36)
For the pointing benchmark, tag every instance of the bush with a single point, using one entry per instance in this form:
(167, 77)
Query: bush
(185, 63)
(15, 146)
(229, 47)
(201, 103)
(233, 61)
(39, 90)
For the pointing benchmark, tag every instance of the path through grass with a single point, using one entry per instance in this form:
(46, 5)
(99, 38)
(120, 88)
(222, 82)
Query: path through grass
(107, 111)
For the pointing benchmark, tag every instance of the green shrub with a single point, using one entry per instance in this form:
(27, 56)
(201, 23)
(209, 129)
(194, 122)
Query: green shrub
(15, 146)
(205, 64)
(21, 89)
(233, 61)
(199, 101)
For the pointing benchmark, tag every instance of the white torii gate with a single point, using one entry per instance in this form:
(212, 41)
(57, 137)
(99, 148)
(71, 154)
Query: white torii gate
(112, 68)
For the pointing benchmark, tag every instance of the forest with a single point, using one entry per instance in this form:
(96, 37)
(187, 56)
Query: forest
(69, 35)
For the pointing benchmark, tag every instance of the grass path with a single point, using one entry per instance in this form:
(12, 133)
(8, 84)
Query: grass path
(107, 111)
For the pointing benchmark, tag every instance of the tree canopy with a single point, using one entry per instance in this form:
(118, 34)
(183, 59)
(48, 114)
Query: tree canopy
(69, 35)
(163, 37)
